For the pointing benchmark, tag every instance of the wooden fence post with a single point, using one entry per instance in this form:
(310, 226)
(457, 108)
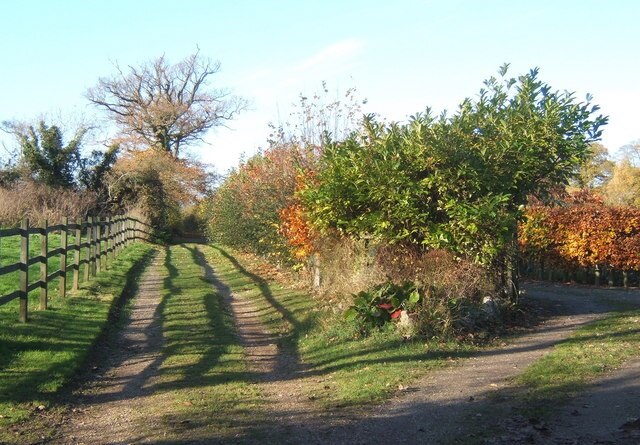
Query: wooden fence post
(123, 233)
(44, 251)
(317, 277)
(116, 221)
(87, 265)
(76, 265)
(110, 243)
(105, 238)
(116, 225)
(93, 246)
(24, 270)
(114, 237)
(98, 245)
(64, 243)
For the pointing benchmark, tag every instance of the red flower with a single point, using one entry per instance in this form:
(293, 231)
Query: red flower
(396, 314)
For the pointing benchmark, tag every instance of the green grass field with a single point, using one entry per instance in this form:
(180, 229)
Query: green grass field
(10, 253)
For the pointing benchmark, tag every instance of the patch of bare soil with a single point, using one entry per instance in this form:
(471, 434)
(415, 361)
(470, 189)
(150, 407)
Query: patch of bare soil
(609, 412)
(107, 410)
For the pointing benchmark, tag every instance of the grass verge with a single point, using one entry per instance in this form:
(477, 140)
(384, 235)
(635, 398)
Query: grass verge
(345, 371)
(38, 358)
(593, 350)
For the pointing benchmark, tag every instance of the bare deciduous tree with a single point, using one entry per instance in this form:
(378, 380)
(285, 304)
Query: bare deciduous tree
(166, 106)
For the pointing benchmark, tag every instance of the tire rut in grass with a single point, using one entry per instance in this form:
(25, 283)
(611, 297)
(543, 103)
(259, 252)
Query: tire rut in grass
(275, 367)
(106, 409)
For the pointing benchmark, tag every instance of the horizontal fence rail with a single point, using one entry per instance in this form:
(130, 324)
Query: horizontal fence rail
(101, 239)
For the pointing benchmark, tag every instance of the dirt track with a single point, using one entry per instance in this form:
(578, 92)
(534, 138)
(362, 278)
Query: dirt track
(107, 408)
(444, 407)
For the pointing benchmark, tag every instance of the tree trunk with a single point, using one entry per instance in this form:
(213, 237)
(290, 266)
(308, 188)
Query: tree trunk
(317, 280)
(611, 276)
(512, 273)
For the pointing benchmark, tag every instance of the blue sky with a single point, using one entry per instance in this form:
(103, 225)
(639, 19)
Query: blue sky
(401, 55)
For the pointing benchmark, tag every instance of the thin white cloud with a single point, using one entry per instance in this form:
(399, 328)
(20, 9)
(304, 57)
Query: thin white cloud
(330, 54)
(256, 76)
(268, 85)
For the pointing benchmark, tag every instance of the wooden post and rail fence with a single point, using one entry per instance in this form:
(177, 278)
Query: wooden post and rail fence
(100, 239)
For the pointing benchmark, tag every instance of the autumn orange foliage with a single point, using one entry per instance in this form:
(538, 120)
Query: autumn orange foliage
(256, 209)
(294, 224)
(182, 180)
(295, 227)
(583, 232)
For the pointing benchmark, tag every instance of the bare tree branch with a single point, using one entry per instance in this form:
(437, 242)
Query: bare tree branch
(165, 105)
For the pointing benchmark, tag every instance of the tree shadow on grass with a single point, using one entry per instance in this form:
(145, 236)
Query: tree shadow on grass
(187, 295)
(288, 362)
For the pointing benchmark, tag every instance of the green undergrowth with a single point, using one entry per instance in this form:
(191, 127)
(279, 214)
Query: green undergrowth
(39, 357)
(203, 375)
(343, 368)
(592, 351)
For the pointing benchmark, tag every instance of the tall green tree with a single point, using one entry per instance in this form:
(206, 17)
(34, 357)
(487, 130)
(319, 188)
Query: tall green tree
(46, 158)
(94, 172)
